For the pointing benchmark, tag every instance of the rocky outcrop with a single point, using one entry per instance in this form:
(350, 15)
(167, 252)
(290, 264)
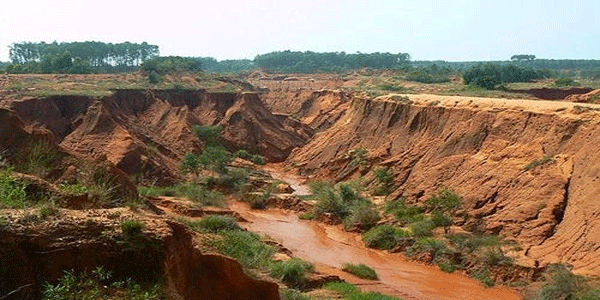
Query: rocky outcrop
(526, 169)
(145, 133)
(80, 241)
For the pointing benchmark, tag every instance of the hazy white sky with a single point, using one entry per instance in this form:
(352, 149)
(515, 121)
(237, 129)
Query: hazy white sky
(226, 29)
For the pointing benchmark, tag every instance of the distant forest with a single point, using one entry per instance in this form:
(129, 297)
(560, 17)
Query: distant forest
(99, 57)
(78, 57)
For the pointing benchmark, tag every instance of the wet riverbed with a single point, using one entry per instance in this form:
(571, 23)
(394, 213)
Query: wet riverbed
(329, 247)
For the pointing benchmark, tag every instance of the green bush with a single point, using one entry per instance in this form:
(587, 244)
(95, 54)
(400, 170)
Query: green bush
(154, 77)
(384, 237)
(190, 164)
(215, 159)
(245, 247)
(565, 81)
(422, 228)
(48, 210)
(384, 181)
(42, 157)
(405, 213)
(291, 294)
(171, 65)
(360, 270)
(495, 257)
(350, 291)
(201, 195)
(292, 272)
(329, 201)
(434, 247)
(132, 227)
(258, 159)
(243, 154)
(440, 219)
(12, 194)
(99, 285)
(484, 277)
(364, 215)
(209, 134)
(446, 201)
(215, 223)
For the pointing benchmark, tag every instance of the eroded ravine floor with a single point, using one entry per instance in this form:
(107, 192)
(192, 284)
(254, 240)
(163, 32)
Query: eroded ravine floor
(329, 247)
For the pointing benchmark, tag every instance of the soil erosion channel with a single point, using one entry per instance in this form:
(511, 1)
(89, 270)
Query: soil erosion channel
(329, 247)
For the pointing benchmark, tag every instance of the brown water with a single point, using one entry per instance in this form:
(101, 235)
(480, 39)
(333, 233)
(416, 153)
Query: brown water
(329, 247)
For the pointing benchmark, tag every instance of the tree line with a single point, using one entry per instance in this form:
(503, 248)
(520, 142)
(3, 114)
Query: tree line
(489, 76)
(78, 57)
(309, 62)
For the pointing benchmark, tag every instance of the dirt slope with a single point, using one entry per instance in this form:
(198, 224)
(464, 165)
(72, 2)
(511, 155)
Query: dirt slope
(318, 109)
(486, 150)
(145, 133)
(83, 240)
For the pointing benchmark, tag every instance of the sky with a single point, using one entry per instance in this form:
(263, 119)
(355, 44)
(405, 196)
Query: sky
(452, 30)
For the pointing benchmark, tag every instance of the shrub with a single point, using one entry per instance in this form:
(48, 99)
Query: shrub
(12, 194)
(307, 216)
(258, 159)
(384, 237)
(190, 164)
(199, 194)
(445, 201)
(358, 157)
(215, 223)
(422, 228)
(328, 201)
(440, 219)
(495, 257)
(484, 277)
(132, 227)
(360, 270)
(42, 157)
(405, 213)
(215, 159)
(243, 246)
(565, 81)
(291, 294)
(154, 77)
(364, 215)
(292, 272)
(243, 154)
(47, 211)
(384, 181)
(560, 283)
(538, 162)
(98, 285)
(169, 191)
(350, 291)
(434, 247)
(209, 134)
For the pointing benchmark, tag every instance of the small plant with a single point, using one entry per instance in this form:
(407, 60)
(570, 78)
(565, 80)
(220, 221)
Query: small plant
(484, 277)
(405, 213)
(215, 223)
(48, 210)
(190, 164)
(358, 157)
(495, 257)
(446, 201)
(42, 157)
(258, 159)
(98, 285)
(538, 162)
(201, 195)
(350, 291)
(154, 77)
(565, 81)
(243, 246)
(422, 228)
(12, 194)
(384, 237)
(73, 189)
(360, 270)
(243, 154)
(291, 294)
(560, 283)
(434, 247)
(307, 216)
(384, 181)
(364, 215)
(292, 272)
(209, 134)
(132, 227)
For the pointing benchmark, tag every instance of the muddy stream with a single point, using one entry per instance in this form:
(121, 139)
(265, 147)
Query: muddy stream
(329, 247)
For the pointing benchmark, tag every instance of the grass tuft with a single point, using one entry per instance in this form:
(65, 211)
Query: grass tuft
(360, 270)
